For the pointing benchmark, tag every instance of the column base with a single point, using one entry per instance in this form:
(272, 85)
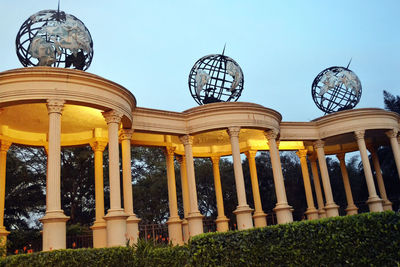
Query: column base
(260, 219)
(3, 241)
(332, 210)
(195, 222)
(375, 204)
(321, 213)
(175, 230)
(311, 213)
(116, 227)
(283, 213)
(222, 224)
(99, 229)
(243, 217)
(185, 231)
(3, 236)
(351, 210)
(54, 230)
(132, 229)
(387, 205)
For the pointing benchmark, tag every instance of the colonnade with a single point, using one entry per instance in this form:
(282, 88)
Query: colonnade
(121, 224)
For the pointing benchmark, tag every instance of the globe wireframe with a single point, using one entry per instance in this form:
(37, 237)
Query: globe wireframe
(216, 78)
(54, 38)
(335, 89)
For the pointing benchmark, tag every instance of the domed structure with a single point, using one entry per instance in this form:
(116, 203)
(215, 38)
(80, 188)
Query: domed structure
(335, 89)
(54, 38)
(216, 78)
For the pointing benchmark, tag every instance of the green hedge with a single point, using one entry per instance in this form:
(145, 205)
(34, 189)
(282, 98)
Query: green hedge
(360, 240)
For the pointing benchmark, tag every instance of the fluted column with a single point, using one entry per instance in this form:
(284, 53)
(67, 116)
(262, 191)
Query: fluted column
(259, 216)
(312, 212)
(185, 197)
(221, 221)
(317, 186)
(132, 222)
(374, 202)
(195, 219)
(174, 222)
(351, 208)
(99, 225)
(243, 211)
(392, 134)
(116, 216)
(331, 208)
(387, 205)
(282, 209)
(54, 221)
(4, 146)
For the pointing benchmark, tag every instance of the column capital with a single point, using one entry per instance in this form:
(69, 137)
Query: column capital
(251, 153)
(392, 133)
(313, 157)
(215, 160)
(186, 139)
(112, 116)
(341, 156)
(359, 134)
(233, 131)
(98, 145)
(170, 150)
(55, 106)
(181, 159)
(302, 153)
(271, 134)
(319, 144)
(125, 134)
(5, 145)
(371, 148)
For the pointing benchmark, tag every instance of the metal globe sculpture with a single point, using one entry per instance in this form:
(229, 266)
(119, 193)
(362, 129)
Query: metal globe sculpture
(335, 89)
(54, 38)
(216, 78)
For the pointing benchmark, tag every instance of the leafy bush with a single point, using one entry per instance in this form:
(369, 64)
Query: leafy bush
(118, 256)
(359, 240)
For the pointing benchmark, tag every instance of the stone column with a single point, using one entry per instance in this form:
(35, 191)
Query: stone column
(4, 146)
(392, 134)
(99, 225)
(174, 222)
(132, 222)
(243, 211)
(387, 205)
(331, 208)
(221, 221)
(374, 202)
(351, 208)
(185, 197)
(116, 217)
(282, 209)
(54, 221)
(259, 216)
(312, 212)
(317, 187)
(195, 219)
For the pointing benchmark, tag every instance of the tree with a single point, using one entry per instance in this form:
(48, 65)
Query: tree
(25, 187)
(77, 184)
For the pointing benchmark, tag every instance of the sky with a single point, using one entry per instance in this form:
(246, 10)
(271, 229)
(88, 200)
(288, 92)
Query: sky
(149, 47)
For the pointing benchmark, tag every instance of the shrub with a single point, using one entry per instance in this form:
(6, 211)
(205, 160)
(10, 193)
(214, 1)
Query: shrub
(366, 239)
(359, 240)
(118, 256)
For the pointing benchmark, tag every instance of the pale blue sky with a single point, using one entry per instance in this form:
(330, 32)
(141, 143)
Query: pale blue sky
(150, 46)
